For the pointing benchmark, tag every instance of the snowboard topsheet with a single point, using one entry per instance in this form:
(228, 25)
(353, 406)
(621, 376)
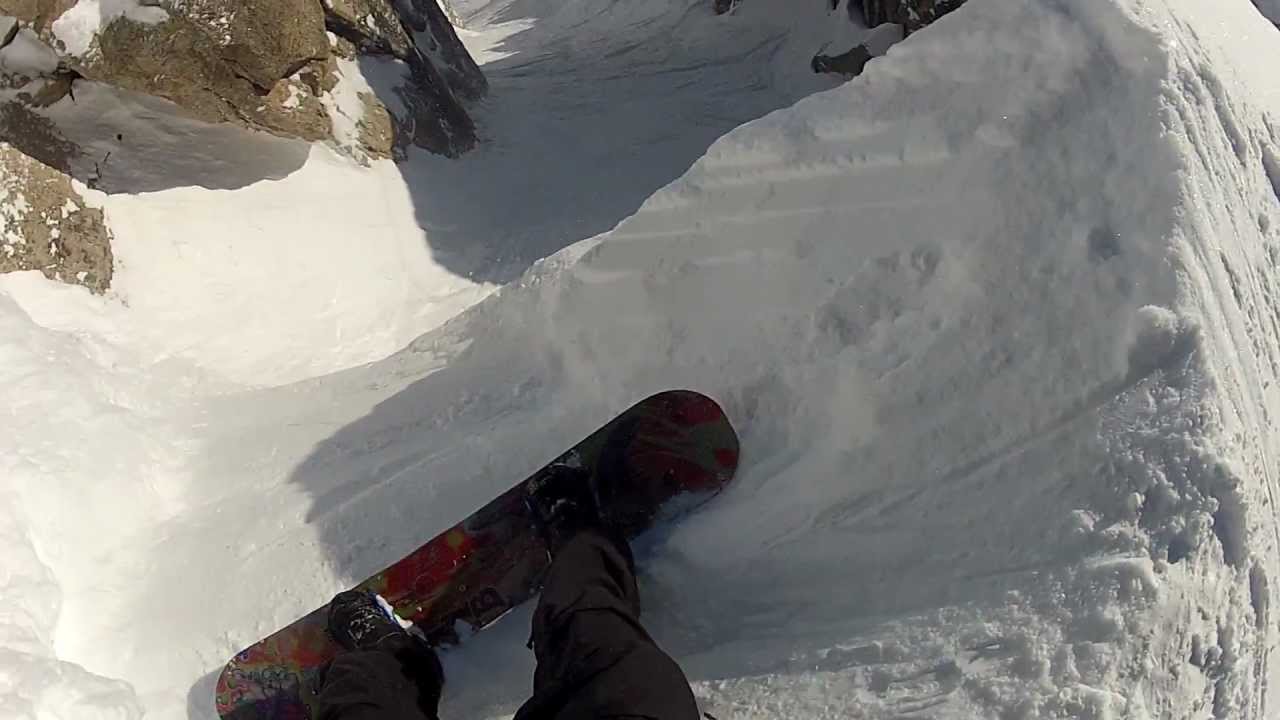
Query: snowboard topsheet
(678, 444)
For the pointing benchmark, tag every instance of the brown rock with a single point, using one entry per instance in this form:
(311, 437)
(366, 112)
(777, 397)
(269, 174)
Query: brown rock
(39, 14)
(377, 128)
(46, 225)
(372, 25)
(263, 42)
(268, 65)
(440, 69)
(179, 61)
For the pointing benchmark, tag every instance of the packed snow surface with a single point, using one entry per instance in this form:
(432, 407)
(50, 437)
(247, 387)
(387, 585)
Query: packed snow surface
(998, 322)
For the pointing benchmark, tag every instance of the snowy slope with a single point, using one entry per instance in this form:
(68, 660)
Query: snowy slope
(999, 323)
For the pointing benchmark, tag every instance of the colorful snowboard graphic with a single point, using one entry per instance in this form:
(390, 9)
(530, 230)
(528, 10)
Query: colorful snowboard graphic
(679, 443)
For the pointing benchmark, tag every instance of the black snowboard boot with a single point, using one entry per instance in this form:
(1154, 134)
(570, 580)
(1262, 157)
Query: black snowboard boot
(563, 499)
(358, 622)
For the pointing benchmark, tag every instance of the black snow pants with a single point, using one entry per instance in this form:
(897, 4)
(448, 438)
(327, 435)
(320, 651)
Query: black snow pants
(595, 660)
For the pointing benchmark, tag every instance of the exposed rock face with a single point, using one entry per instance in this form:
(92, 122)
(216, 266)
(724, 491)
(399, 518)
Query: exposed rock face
(39, 14)
(46, 225)
(911, 14)
(418, 33)
(1270, 9)
(436, 37)
(182, 62)
(266, 64)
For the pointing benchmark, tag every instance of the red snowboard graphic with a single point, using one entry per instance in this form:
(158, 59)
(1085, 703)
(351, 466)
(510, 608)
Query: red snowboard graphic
(678, 443)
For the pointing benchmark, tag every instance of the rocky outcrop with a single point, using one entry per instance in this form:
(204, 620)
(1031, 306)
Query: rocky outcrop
(1270, 9)
(910, 14)
(435, 36)
(418, 34)
(46, 225)
(181, 61)
(272, 65)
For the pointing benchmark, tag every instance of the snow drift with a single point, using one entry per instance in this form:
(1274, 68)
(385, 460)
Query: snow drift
(999, 324)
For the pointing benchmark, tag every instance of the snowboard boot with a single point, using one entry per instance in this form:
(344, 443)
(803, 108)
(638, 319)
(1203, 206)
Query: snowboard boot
(358, 622)
(563, 500)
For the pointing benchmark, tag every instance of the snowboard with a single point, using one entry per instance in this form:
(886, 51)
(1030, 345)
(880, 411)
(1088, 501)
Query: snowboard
(677, 449)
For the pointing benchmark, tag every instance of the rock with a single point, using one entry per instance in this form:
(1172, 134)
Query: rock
(377, 127)
(46, 225)
(440, 70)
(1270, 9)
(180, 61)
(435, 120)
(264, 42)
(37, 14)
(36, 137)
(911, 14)
(435, 36)
(372, 26)
(451, 12)
(266, 64)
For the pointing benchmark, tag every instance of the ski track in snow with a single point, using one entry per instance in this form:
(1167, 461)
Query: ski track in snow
(999, 324)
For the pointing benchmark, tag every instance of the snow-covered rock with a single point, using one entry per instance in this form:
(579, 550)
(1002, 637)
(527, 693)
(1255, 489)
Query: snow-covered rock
(47, 225)
(264, 65)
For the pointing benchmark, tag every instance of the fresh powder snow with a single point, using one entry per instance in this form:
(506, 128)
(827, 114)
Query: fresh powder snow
(998, 322)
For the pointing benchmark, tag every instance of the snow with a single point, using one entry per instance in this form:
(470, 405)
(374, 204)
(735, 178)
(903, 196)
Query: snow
(998, 321)
(206, 274)
(343, 103)
(26, 54)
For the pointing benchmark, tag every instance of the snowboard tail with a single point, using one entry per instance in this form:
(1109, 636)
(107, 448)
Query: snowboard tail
(677, 450)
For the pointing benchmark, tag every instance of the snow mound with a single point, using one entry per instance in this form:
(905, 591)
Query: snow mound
(999, 323)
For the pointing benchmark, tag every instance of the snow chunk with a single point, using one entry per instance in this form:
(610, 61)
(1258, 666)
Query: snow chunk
(1159, 333)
